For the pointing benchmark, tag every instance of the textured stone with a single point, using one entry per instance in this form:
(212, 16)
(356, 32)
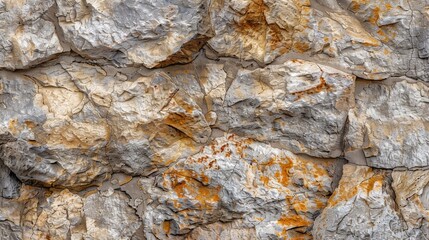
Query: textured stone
(26, 38)
(275, 192)
(363, 207)
(61, 214)
(214, 119)
(258, 30)
(76, 124)
(300, 105)
(372, 39)
(411, 190)
(226, 231)
(137, 32)
(389, 127)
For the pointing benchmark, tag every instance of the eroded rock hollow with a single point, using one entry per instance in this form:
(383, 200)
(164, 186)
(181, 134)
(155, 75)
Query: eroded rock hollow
(214, 119)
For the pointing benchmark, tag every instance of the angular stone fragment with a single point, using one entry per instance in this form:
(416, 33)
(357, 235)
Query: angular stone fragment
(145, 32)
(300, 105)
(26, 38)
(372, 39)
(389, 127)
(61, 214)
(9, 184)
(108, 216)
(275, 192)
(76, 123)
(363, 207)
(258, 30)
(412, 196)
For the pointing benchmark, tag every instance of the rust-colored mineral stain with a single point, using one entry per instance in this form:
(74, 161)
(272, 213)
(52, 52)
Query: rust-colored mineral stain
(300, 206)
(265, 180)
(192, 185)
(354, 6)
(282, 176)
(317, 89)
(166, 226)
(319, 204)
(29, 124)
(301, 47)
(294, 221)
(254, 24)
(375, 15)
(341, 195)
(372, 183)
(344, 193)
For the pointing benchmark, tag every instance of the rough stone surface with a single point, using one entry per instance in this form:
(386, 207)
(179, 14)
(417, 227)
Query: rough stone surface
(134, 32)
(363, 207)
(214, 119)
(389, 127)
(301, 105)
(277, 193)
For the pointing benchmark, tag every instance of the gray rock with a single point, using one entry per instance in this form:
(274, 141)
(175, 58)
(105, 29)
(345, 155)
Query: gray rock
(363, 207)
(389, 125)
(300, 105)
(152, 33)
(26, 38)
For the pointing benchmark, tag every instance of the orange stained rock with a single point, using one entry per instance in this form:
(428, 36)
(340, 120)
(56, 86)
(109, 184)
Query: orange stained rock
(354, 6)
(301, 206)
(348, 190)
(319, 204)
(292, 221)
(30, 124)
(388, 6)
(301, 47)
(254, 24)
(166, 226)
(317, 89)
(265, 180)
(374, 183)
(189, 184)
(375, 15)
(282, 176)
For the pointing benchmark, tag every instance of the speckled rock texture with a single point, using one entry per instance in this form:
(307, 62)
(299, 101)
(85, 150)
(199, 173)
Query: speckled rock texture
(214, 119)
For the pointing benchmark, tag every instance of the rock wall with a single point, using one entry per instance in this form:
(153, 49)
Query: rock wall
(214, 119)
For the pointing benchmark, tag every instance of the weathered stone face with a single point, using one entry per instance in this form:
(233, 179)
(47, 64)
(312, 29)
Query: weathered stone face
(220, 119)
(134, 32)
(364, 206)
(274, 191)
(389, 127)
(300, 105)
